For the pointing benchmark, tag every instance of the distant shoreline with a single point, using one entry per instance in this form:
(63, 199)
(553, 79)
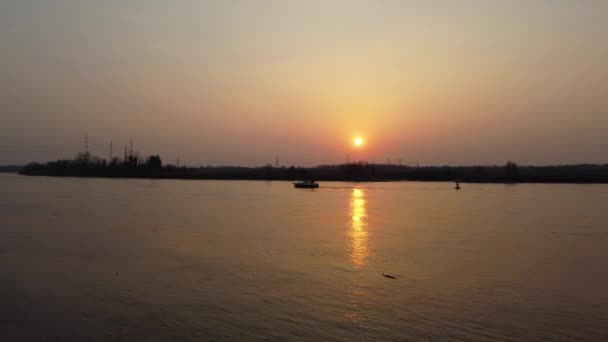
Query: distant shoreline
(354, 172)
(322, 180)
(10, 168)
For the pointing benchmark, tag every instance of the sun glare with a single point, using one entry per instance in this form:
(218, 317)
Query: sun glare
(358, 141)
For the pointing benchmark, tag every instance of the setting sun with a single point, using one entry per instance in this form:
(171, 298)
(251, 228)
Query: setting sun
(358, 141)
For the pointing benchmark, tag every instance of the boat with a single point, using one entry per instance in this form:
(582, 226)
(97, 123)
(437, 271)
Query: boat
(307, 184)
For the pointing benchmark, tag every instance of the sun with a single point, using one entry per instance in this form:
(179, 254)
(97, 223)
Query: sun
(358, 141)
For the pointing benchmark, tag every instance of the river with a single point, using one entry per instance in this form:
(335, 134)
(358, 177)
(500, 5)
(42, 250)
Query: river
(156, 260)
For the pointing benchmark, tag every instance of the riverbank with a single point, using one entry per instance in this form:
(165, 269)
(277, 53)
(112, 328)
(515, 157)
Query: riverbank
(10, 168)
(358, 172)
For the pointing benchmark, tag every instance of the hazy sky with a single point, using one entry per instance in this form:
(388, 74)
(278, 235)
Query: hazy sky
(237, 82)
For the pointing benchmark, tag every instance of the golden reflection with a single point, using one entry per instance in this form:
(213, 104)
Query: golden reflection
(358, 232)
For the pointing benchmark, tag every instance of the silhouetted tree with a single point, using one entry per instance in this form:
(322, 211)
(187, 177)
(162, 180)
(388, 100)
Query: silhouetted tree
(114, 162)
(511, 170)
(83, 158)
(131, 161)
(268, 171)
(154, 162)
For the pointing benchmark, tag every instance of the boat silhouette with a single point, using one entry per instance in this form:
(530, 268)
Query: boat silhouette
(307, 184)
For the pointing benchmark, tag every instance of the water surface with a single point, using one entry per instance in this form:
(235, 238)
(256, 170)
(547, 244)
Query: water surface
(107, 259)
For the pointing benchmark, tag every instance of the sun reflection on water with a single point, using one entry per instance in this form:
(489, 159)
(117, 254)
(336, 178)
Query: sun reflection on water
(359, 230)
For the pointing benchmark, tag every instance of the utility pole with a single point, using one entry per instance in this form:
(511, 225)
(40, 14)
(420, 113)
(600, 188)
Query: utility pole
(110, 160)
(86, 144)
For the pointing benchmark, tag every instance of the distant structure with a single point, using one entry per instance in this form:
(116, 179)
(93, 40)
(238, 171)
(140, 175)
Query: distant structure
(131, 158)
(276, 161)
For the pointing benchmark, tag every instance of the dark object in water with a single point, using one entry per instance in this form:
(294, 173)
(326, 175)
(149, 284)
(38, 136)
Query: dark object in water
(388, 276)
(307, 184)
(457, 187)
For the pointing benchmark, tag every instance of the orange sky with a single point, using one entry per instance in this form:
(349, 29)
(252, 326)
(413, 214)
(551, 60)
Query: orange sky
(218, 82)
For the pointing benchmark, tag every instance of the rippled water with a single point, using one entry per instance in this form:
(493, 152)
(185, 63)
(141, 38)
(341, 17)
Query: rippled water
(102, 259)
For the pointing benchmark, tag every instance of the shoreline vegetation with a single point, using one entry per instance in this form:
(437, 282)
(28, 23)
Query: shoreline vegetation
(86, 165)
